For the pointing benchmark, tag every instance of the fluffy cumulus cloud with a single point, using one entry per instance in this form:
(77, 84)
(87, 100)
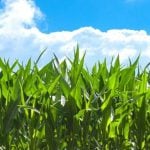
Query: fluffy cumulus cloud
(17, 28)
(21, 39)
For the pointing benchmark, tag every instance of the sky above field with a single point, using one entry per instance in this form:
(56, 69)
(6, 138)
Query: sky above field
(102, 28)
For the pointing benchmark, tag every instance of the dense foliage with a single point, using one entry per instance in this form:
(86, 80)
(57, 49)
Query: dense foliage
(61, 106)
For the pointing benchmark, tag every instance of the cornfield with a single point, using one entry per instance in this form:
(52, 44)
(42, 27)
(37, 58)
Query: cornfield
(65, 106)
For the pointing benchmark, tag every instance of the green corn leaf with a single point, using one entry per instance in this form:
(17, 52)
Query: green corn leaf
(53, 84)
(65, 87)
(112, 81)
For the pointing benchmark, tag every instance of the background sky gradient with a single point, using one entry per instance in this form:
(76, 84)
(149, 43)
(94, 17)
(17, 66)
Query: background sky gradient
(101, 14)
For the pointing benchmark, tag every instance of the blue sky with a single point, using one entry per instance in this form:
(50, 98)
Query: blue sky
(101, 14)
(103, 29)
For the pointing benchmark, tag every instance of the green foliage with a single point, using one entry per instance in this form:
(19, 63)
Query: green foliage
(61, 106)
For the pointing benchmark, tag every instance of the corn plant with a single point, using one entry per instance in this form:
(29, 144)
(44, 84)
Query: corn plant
(61, 106)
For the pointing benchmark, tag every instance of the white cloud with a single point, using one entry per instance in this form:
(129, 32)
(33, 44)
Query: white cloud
(18, 14)
(20, 37)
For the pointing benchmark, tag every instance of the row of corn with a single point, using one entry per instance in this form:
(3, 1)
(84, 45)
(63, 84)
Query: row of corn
(65, 106)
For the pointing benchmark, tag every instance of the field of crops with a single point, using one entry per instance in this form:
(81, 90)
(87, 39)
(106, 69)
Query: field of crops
(65, 106)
